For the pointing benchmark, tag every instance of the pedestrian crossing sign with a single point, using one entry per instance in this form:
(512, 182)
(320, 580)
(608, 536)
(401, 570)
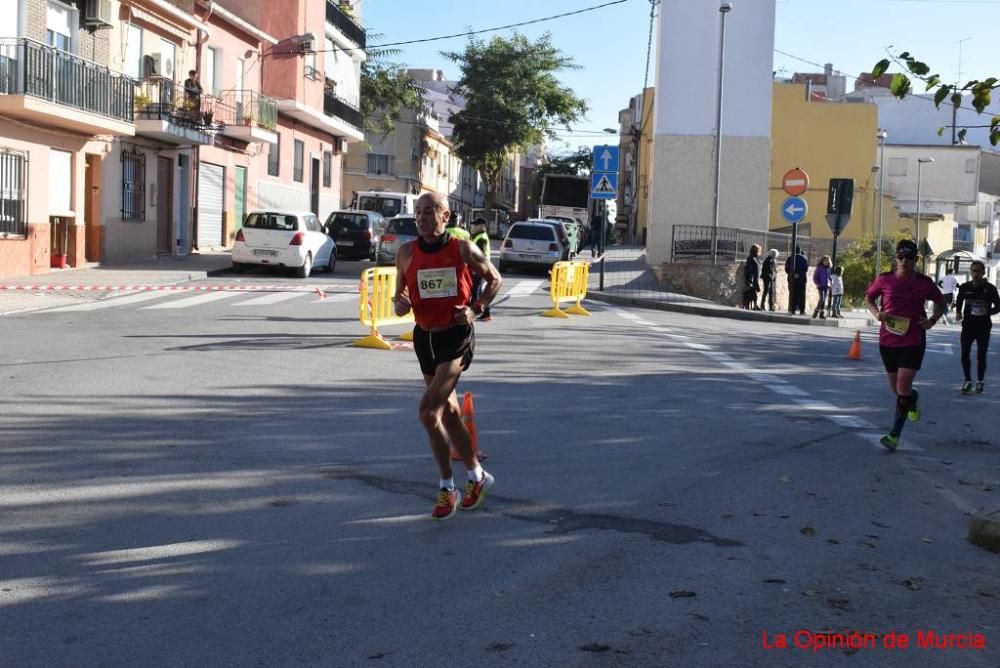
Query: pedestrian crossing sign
(604, 186)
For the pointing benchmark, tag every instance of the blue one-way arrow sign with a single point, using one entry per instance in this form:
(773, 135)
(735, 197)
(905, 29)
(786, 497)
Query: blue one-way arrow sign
(794, 210)
(603, 186)
(606, 158)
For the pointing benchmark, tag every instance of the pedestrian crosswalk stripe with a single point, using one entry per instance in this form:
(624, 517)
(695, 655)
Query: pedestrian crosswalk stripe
(272, 298)
(525, 288)
(197, 300)
(111, 302)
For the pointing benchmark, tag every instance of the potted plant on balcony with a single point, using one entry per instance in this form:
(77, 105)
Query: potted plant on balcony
(142, 101)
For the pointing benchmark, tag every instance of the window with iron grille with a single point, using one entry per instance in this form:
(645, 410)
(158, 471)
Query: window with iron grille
(133, 184)
(13, 193)
(274, 158)
(327, 168)
(300, 149)
(378, 164)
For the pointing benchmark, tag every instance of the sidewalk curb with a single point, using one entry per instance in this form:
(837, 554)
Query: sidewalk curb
(984, 530)
(716, 311)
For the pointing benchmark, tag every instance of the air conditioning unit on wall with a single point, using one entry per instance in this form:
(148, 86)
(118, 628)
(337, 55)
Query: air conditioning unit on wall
(157, 65)
(97, 13)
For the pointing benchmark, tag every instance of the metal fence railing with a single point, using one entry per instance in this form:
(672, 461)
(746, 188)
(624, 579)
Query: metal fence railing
(347, 25)
(247, 108)
(35, 69)
(693, 243)
(165, 100)
(341, 108)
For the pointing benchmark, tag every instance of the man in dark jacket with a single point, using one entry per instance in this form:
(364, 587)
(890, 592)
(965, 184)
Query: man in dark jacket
(797, 268)
(751, 278)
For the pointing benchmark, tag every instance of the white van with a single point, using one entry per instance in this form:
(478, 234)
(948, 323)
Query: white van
(389, 204)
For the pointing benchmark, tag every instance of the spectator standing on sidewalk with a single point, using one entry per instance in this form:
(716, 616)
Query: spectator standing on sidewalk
(836, 291)
(821, 279)
(797, 268)
(768, 274)
(896, 299)
(751, 278)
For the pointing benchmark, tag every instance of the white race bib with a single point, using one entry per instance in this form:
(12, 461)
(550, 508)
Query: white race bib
(978, 308)
(435, 283)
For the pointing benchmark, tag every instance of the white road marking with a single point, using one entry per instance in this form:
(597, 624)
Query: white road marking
(787, 390)
(525, 288)
(941, 348)
(197, 300)
(271, 298)
(339, 297)
(112, 302)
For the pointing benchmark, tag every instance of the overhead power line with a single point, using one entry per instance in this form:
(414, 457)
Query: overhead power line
(469, 33)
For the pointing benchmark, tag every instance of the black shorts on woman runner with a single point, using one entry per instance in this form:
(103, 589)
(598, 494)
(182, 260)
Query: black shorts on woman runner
(434, 348)
(902, 357)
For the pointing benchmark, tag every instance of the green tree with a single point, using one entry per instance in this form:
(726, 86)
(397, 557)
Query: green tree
(858, 262)
(902, 85)
(387, 90)
(513, 100)
(578, 163)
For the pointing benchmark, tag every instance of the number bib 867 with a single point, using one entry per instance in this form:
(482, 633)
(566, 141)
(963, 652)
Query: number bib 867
(434, 283)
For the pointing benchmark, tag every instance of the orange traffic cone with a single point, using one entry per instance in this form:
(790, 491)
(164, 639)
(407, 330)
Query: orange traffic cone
(469, 419)
(855, 352)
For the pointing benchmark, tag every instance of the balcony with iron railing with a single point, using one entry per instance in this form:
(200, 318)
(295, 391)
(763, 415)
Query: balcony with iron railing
(247, 115)
(43, 84)
(163, 110)
(340, 20)
(340, 108)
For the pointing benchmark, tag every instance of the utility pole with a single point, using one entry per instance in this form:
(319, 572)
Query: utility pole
(724, 9)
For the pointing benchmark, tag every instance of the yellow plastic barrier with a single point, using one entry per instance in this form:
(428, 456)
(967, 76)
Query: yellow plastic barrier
(375, 306)
(569, 282)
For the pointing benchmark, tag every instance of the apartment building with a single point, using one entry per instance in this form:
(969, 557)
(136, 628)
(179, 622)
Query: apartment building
(108, 152)
(61, 109)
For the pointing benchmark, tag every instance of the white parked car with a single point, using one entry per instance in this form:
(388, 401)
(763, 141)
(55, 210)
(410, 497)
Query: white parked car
(534, 243)
(293, 239)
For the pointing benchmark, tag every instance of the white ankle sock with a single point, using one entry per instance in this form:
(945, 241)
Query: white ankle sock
(476, 474)
(447, 483)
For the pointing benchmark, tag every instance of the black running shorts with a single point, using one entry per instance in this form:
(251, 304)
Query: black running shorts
(906, 357)
(434, 348)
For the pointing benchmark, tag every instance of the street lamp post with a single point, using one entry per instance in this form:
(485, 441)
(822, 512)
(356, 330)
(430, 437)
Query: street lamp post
(724, 9)
(881, 134)
(920, 163)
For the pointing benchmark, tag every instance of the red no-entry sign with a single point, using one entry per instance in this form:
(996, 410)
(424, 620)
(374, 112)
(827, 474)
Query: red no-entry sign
(795, 182)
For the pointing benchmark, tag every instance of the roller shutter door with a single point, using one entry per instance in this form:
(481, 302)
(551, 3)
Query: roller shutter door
(211, 180)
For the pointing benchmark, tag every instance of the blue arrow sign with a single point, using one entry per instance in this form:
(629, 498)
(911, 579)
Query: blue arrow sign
(606, 159)
(603, 186)
(794, 210)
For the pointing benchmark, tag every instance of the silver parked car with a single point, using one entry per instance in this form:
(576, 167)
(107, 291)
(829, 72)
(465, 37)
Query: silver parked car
(398, 231)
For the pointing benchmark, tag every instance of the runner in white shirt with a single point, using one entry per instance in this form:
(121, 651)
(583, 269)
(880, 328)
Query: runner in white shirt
(948, 285)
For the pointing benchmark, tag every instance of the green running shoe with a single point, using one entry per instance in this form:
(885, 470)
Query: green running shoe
(914, 413)
(890, 442)
(967, 387)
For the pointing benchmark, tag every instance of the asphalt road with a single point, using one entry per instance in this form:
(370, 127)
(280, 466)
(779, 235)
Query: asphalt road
(228, 482)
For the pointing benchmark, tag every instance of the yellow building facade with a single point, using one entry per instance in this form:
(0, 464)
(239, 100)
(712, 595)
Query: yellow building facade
(827, 140)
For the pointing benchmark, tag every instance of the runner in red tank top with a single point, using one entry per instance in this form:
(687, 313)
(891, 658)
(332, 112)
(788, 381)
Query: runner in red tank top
(433, 278)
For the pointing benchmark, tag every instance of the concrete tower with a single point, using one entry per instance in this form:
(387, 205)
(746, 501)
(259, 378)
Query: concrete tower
(683, 170)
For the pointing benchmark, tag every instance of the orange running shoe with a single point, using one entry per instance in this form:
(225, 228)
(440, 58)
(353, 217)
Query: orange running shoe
(447, 504)
(475, 492)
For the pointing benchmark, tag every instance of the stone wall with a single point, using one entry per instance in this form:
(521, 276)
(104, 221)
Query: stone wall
(723, 283)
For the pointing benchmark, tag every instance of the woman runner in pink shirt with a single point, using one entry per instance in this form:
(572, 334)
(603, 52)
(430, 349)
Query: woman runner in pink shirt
(900, 296)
